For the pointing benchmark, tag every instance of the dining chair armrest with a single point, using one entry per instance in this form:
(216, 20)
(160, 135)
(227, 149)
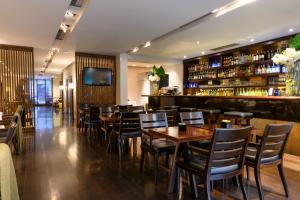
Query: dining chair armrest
(198, 150)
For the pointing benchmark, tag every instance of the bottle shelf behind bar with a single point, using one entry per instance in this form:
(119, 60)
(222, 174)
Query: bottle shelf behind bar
(247, 71)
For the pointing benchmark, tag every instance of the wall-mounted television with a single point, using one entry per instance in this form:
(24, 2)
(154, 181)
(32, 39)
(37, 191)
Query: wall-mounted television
(97, 76)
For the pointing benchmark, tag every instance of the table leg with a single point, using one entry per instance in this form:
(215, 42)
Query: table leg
(173, 175)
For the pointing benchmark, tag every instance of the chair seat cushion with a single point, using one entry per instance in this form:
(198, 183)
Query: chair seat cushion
(239, 114)
(199, 162)
(251, 155)
(161, 144)
(210, 111)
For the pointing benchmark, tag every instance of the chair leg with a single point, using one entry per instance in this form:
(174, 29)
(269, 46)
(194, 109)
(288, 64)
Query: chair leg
(207, 190)
(258, 182)
(167, 160)
(281, 173)
(248, 172)
(142, 161)
(193, 184)
(178, 183)
(156, 168)
(120, 147)
(241, 183)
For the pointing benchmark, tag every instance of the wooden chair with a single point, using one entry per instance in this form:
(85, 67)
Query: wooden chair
(128, 127)
(155, 146)
(171, 116)
(137, 109)
(224, 159)
(92, 120)
(123, 108)
(269, 153)
(106, 128)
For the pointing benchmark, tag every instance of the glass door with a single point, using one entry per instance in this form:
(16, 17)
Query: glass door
(43, 91)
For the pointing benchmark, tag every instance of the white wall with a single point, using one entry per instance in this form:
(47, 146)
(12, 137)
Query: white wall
(122, 79)
(56, 91)
(138, 83)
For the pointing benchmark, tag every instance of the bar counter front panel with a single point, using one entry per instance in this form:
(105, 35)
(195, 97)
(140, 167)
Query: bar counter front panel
(265, 109)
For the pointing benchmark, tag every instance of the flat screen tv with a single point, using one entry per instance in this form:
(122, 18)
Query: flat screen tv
(97, 76)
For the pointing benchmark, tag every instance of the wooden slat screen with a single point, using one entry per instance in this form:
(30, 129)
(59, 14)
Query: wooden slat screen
(17, 80)
(100, 95)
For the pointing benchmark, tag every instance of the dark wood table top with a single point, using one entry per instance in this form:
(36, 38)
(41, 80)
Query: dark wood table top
(192, 133)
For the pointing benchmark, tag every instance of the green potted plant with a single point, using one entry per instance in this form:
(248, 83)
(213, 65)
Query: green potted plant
(155, 75)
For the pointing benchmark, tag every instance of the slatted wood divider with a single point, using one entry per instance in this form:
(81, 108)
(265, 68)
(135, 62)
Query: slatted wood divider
(100, 95)
(17, 80)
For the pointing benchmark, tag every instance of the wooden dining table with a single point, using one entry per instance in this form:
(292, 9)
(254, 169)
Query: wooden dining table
(181, 137)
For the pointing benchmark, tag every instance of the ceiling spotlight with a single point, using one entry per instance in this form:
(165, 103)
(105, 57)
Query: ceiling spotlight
(184, 57)
(198, 42)
(147, 44)
(291, 30)
(69, 14)
(64, 27)
(231, 6)
(135, 49)
(252, 40)
(203, 52)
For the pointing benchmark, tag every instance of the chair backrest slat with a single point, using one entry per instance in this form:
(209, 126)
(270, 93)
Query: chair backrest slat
(171, 116)
(11, 132)
(192, 118)
(154, 120)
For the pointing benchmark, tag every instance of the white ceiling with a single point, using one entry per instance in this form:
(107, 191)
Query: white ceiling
(114, 26)
(262, 20)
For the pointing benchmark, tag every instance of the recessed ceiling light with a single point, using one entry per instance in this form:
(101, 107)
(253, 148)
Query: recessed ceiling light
(184, 57)
(252, 40)
(64, 27)
(198, 42)
(203, 52)
(69, 14)
(147, 44)
(291, 30)
(135, 49)
(134, 65)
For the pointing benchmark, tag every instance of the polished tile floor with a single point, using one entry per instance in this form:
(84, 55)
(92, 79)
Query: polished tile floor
(65, 165)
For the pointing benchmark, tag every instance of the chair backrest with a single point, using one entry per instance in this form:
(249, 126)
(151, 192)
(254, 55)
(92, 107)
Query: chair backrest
(129, 122)
(11, 132)
(124, 108)
(94, 113)
(192, 118)
(21, 111)
(273, 142)
(154, 120)
(136, 108)
(227, 150)
(171, 116)
(107, 109)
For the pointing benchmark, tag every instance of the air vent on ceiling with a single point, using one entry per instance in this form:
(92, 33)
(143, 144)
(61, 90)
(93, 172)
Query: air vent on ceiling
(225, 47)
(60, 35)
(77, 3)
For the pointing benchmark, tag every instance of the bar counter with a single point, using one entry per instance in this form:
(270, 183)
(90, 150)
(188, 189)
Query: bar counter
(286, 108)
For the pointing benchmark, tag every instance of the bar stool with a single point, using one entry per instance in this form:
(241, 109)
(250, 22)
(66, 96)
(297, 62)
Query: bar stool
(238, 117)
(211, 114)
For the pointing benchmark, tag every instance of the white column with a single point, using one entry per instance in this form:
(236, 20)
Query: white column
(122, 79)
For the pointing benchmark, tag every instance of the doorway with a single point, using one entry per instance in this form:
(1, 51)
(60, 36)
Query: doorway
(43, 91)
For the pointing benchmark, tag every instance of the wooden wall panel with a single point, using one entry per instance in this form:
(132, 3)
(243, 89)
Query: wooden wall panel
(17, 80)
(100, 95)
